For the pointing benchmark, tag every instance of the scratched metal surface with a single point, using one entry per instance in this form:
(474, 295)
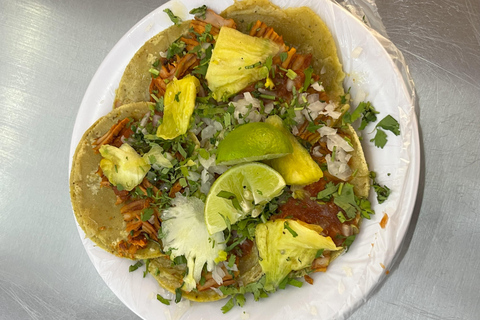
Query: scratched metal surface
(49, 51)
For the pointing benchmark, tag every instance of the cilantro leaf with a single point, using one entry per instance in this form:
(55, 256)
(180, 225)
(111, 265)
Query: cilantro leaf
(326, 193)
(178, 294)
(199, 12)
(348, 241)
(175, 48)
(287, 226)
(346, 200)
(240, 299)
(163, 300)
(146, 214)
(135, 266)
(365, 208)
(389, 123)
(319, 253)
(308, 77)
(369, 114)
(147, 263)
(380, 138)
(176, 20)
(382, 192)
(229, 305)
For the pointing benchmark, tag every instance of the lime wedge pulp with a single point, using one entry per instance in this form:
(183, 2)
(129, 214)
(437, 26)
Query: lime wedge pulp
(239, 192)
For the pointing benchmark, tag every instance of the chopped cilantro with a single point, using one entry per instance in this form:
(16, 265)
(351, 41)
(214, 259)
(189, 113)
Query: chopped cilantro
(380, 139)
(382, 192)
(240, 299)
(257, 64)
(199, 12)
(287, 226)
(365, 208)
(203, 153)
(346, 201)
(389, 123)
(312, 127)
(135, 266)
(367, 112)
(319, 253)
(291, 74)
(147, 263)
(163, 300)
(146, 214)
(289, 281)
(178, 294)
(183, 182)
(308, 77)
(176, 20)
(154, 71)
(229, 305)
(231, 261)
(175, 48)
(326, 193)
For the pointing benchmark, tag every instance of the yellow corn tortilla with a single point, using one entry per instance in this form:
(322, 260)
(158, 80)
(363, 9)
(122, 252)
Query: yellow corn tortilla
(94, 206)
(133, 86)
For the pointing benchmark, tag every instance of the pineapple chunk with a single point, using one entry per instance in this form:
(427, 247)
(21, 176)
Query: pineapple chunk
(297, 168)
(179, 102)
(237, 61)
(123, 166)
(288, 245)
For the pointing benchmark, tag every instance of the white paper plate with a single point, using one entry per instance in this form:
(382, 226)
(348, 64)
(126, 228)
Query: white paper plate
(373, 76)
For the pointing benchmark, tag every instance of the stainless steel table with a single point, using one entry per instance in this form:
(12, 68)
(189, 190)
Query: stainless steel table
(49, 51)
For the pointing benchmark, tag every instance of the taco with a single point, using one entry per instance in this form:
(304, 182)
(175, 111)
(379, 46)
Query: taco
(193, 86)
(97, 209)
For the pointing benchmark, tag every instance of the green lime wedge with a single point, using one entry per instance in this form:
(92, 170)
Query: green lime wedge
(253, 141)
(241, 191)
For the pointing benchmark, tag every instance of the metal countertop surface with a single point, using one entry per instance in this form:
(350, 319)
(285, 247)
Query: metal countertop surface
(49, 51)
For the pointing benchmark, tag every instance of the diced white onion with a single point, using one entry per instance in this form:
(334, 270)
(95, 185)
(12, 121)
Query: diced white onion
(295, 130)
(268, 92)
(155, 119)
(313, 97)
(269, 107)
(316, 152)
(338, 169)
(330, 111)
(144, 120)
(326, 131)
(218, 274)
(290, 84)
(218, 291)
(337, 140)
(318, 87)
(233, 268)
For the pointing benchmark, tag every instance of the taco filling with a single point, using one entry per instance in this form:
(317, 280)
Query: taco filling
(238, 171)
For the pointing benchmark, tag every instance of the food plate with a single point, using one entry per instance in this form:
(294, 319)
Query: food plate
(372, 75)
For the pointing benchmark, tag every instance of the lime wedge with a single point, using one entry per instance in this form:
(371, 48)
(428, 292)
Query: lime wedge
(241, 191)
(253, 141)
